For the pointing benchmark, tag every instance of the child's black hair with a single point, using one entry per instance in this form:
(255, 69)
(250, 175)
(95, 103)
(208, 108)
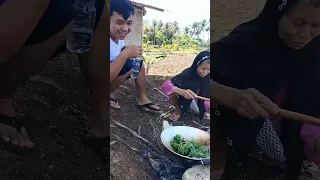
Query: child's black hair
(122, 7)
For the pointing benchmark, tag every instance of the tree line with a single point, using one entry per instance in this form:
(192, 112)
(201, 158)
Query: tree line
(169, 36)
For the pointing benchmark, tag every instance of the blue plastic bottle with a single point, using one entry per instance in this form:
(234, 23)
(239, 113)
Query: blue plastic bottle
(136, 68)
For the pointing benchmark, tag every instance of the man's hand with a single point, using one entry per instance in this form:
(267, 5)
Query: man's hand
(132, 51)
(120, 60)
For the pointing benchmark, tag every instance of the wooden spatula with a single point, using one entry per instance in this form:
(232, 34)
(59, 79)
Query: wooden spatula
(297, 116)
(288, 115)
(203, 98)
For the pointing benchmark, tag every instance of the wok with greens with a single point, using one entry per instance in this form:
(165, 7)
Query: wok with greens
(189, 148)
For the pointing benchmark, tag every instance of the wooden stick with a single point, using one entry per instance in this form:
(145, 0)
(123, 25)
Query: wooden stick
(161, 92)
(297, 116)
(203, 98)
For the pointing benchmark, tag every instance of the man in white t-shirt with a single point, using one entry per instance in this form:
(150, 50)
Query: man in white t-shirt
(121, 14)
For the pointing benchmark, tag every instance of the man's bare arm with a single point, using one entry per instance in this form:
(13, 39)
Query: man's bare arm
(117, 64)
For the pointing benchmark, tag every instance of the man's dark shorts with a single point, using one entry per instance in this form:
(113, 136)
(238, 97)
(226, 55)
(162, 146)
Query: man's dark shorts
(57, 16)
(127, 66)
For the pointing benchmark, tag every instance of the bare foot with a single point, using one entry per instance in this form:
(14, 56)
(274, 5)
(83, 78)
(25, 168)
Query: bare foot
(175, 115)
(113, 102)
(10, 134)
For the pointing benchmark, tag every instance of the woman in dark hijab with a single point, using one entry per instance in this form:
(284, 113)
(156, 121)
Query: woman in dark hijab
(187, 85)
(271, 61)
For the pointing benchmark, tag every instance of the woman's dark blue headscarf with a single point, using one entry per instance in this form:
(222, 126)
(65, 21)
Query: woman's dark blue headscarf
(189, 79)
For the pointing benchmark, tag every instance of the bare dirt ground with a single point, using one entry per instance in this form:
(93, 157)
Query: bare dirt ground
(55, 105)
(126, 164)
(227, 14)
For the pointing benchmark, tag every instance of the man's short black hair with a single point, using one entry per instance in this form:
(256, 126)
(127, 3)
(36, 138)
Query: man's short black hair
(122, 7)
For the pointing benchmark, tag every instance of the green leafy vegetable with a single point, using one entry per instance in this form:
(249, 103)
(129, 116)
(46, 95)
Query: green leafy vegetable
(189, 148)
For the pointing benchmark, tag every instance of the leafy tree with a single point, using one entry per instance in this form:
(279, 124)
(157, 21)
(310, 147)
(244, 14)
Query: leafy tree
(168, 35)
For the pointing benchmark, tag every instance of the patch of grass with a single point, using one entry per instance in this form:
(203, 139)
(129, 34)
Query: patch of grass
(165, 50)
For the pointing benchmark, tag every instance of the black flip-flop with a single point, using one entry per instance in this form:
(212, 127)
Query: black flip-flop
(116, 102)
(18, 125)
(148, 107)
